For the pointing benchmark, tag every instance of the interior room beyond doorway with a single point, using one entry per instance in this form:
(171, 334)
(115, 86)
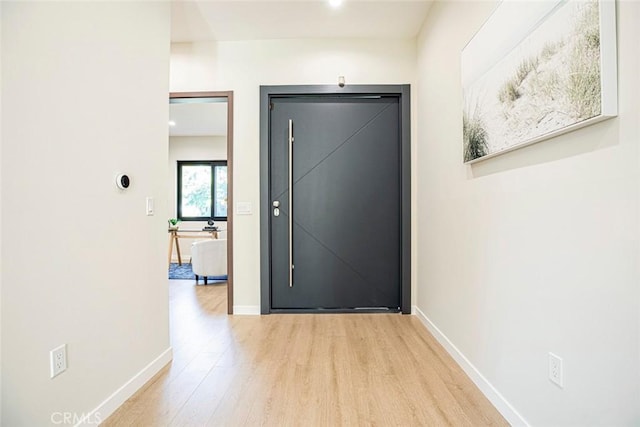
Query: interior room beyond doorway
(200, 175)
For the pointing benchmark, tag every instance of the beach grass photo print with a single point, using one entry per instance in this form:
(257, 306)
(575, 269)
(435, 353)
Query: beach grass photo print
(537, 69)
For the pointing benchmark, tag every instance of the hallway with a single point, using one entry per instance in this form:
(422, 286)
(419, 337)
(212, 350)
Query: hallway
(316, 370)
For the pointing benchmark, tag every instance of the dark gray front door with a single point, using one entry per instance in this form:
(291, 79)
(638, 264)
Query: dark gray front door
(345, 240)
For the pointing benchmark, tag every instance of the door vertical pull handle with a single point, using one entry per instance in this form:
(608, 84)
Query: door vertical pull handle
(290, 144)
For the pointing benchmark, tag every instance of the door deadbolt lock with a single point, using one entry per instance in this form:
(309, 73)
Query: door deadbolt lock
(276, 212)
(276, 203)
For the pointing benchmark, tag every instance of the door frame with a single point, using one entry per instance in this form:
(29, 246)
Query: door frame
(403, 94)
(229, 97)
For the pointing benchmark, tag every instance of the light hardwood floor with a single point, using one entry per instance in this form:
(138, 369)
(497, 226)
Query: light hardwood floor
(301, 369)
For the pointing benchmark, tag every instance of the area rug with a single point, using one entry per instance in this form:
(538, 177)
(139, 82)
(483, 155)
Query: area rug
(184, 272)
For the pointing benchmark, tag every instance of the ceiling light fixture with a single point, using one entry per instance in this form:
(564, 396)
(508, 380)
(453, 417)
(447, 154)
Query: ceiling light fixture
(172, 123)
(335, 3)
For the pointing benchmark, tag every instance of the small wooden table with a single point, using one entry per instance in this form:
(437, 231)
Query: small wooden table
(175, 235)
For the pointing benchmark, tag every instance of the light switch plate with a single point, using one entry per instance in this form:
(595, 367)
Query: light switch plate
(150, 207)
(244, 208)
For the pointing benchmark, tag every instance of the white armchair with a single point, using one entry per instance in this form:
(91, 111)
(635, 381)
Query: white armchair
(209, 258)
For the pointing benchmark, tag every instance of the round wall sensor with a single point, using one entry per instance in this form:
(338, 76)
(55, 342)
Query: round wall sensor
(123, 181)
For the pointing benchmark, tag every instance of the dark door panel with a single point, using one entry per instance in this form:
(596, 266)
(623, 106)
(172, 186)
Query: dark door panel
(346, 199)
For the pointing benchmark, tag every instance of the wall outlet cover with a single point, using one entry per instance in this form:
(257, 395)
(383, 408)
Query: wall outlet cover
(555, 370)
(58, 360)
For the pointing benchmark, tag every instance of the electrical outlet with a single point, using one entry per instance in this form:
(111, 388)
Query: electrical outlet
(555, 369)
(58, 359)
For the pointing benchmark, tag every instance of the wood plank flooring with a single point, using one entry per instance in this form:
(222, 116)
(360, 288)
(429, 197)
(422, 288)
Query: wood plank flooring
(301, 369)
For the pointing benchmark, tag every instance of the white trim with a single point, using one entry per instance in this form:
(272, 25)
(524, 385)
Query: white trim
(508, 412)
(113, 402)
(252, 310)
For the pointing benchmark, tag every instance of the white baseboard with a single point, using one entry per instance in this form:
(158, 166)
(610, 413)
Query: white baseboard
(508, 412)
(253, 310)
(113, 402)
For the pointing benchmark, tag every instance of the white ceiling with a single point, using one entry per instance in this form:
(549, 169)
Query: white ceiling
(198, 119)
(226, 20)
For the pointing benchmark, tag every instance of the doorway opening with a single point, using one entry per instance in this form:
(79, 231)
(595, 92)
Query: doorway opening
(212, 113)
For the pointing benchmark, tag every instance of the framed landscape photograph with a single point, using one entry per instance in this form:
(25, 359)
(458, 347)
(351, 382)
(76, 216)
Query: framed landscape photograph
(535, 70)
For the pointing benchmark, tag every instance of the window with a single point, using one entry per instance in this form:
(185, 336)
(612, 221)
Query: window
(202, 190)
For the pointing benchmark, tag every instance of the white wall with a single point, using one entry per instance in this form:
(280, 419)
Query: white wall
(84, 93)
(243, 67)
(191, 148)
(535, 250)
(1, 259)
(194, 67)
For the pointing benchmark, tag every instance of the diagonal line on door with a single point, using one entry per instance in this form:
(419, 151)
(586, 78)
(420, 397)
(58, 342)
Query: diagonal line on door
(342, 260)
(337, 148)
(349, 266)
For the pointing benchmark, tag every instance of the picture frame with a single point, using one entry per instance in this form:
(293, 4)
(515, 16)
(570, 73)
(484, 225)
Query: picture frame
(536, 70)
